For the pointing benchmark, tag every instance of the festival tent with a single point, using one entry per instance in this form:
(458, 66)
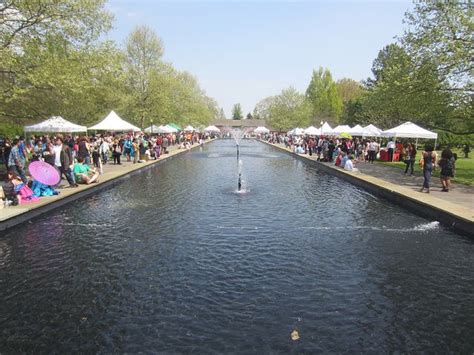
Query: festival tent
(409, 130)
(113, 123)
(341, 129)
(152, 129)
(211, 129)
(312, 131)
(261, 130)
(326, 129)
(188, 128)
(296, 132)
(372, 131)
(170, 129)
(175, 126)
(55, 124)
(358, 130)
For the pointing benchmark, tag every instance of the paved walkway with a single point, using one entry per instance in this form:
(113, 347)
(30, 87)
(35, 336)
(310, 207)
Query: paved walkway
(459, 200)
(110, 172)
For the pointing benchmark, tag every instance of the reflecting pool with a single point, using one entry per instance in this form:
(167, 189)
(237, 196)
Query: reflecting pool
(173, 260)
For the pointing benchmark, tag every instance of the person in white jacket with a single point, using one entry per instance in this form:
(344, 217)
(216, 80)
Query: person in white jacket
(104, 151)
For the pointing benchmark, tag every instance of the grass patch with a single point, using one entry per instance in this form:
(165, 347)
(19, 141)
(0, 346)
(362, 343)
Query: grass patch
(464, 167)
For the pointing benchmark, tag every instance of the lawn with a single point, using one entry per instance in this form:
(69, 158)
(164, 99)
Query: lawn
(464, 168)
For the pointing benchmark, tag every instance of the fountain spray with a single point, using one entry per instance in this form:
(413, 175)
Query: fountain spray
(239, 183)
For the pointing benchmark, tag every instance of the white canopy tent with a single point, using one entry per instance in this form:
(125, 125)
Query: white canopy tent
(372, 131)
(296, 132)
(409, 130)
(152, 129)
(55, 124)
(358, 130)
(341, 129)
(312, 131)
(114, 123)
(261, 130)
(326, 129)
(212, 129)
(188, 129)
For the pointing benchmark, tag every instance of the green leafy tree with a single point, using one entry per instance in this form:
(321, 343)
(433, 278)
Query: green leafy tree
(287, 110)
(402, 91)
(237, 112)
(144, 52)
(323, 96)
(76, 21)
(440, 32)
(249, 116)
(349, 89)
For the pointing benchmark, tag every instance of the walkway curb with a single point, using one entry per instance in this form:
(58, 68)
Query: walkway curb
(50, 203)
(459, 219)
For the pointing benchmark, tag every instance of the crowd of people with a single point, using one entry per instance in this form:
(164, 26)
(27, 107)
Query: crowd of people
(80, 159)
(346, 153)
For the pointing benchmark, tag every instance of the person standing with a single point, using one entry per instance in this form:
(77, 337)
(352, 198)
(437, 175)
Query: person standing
(372, 151)
(84, 150)
(391, 149)
(428, 160)
(447, 165)
(16, 162)
(63, 160)
(117, 152)
(104, 151)
(7, 148)
(410, 158)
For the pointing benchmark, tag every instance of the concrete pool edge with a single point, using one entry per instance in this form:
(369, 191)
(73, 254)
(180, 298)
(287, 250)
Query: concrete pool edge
(457, 218)
(24, 213)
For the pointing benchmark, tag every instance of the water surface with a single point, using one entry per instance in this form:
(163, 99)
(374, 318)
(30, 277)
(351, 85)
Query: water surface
(173, 260)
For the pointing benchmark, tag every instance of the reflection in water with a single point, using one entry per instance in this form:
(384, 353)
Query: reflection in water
(173, 261)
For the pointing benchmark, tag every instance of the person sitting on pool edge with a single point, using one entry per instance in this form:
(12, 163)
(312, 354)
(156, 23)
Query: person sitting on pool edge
(349, 165)
(82, 173)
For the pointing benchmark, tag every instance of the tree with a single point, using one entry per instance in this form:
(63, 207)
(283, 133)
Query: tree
(221, 114)
(349, 89)
(249, 116)
(442, 32)
(401, 91)
(237, 112)
(323, 96)
(51, 61)
(144, 52)
(76, 21)
(287, 110)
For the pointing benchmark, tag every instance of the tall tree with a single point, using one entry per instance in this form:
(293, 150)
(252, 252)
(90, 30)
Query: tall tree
(286, 110)
(237, 112)
(249, 116)
(144, 52)
(349, 89)
(76, 21)
(221, 114)
(440, 32)
(51, 61)
(401, 91)
(323, 96)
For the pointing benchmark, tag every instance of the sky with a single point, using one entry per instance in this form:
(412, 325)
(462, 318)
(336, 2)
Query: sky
(244, 51)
